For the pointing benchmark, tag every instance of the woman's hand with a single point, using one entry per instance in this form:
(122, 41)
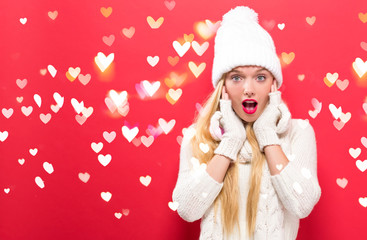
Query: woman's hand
(273, 121)
(234, 132)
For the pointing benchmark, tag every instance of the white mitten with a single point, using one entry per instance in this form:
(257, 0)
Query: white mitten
(273, 121)
(215, 130)
(234, 132)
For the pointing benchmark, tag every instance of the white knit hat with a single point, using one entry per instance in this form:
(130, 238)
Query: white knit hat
(241, 41)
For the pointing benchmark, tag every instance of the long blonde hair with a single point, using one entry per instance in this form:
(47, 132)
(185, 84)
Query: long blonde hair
(229, 195)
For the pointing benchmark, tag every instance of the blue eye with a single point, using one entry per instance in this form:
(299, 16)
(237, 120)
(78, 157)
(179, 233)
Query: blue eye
(236, 78)
(261, 78)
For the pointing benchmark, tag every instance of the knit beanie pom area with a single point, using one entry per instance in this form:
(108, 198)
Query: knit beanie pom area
(241, 41)
(240, 15)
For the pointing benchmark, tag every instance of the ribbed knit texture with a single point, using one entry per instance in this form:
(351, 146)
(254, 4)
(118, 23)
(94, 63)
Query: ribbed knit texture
(284, 198)
(229, 147)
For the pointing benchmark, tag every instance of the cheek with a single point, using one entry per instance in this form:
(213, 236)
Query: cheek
(232, 91)
(264, 102)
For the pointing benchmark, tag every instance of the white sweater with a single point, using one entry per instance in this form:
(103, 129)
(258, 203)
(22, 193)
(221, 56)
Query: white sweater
(284, 198)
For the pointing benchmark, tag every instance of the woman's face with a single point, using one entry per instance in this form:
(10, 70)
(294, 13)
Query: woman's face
(248, 88)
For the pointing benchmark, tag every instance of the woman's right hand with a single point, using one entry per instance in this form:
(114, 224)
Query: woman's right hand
(232, 124)
(234, 131)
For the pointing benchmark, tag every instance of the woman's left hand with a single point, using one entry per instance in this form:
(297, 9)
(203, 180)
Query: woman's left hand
(273, 121)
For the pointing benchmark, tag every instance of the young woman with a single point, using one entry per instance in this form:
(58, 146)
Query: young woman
(247, 169)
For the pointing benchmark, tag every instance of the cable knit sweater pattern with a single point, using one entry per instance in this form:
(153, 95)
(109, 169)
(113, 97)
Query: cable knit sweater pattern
(284, 198)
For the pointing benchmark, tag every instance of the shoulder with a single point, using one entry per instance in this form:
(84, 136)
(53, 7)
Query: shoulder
(300, 128)
(188, 134)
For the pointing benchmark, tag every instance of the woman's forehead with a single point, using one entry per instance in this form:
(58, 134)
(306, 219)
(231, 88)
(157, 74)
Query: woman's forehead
(250, 68)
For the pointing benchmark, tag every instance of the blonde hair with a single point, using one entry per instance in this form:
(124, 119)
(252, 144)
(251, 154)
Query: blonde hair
(229, 195)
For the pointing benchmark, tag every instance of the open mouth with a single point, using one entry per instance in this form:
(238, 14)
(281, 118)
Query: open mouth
(249, 106)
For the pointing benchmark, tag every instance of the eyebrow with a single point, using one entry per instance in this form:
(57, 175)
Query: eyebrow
(237, 71)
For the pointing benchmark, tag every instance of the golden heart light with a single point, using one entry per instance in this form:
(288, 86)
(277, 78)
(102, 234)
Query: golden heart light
(330, 79)
(106, 12)
(363, 17)
(360, 67)
(179, 78)
(197, 70)
(311, 20)
(155, 24)
(53, 14)
(104, 62)
(203, 30)
(288, 57)
(173, 60)
(43, 71)
(173, 95)
(189, 38)
(72, 73)
(213, 26)
(301, 77)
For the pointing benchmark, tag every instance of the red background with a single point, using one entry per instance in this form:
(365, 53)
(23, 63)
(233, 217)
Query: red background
(69, 208)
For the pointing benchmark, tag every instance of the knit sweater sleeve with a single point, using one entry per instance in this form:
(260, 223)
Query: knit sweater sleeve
(297, 185)
(195, 189)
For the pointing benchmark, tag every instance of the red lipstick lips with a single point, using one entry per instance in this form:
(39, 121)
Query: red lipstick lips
(249, 106)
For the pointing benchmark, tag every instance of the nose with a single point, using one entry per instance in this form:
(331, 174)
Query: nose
(248, 89)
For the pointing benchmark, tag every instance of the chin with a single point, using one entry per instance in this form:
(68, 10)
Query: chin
(247, 119)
